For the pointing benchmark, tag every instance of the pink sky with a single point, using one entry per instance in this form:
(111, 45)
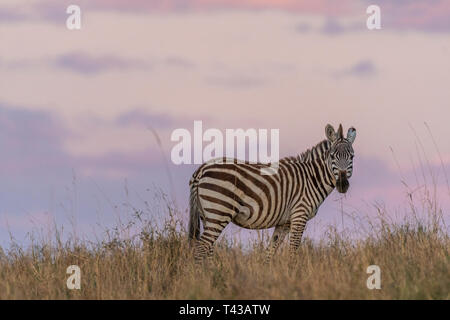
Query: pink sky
(78, 103)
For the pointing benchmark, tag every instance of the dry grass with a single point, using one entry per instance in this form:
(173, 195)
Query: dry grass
(413, 257)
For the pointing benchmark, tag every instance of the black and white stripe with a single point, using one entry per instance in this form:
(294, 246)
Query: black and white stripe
(231, 191)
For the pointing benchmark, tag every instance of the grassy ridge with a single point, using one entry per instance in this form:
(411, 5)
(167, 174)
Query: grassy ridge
(414, 261)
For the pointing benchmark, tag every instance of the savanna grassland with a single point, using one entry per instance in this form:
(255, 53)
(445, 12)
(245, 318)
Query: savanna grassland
(157, 263)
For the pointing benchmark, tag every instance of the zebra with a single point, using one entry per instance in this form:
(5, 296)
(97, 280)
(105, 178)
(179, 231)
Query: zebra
(231, 191)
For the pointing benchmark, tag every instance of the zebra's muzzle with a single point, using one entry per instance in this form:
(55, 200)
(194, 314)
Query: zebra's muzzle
(342, 182)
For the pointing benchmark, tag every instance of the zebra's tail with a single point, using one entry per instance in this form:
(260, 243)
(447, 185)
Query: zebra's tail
(194, 210)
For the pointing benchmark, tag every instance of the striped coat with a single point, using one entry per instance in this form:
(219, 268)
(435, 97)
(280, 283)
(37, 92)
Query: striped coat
(230, 191)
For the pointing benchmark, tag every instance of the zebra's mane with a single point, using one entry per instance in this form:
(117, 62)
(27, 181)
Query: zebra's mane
(310, 154)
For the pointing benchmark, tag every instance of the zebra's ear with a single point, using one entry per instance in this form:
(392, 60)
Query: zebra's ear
(330, 133)
(351, 134)
(340, 133)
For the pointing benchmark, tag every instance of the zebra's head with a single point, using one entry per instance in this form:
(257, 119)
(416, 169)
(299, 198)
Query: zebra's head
(340, 155)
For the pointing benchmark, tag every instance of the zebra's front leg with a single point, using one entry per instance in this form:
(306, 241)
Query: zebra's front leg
(296, 232)
(278, 236)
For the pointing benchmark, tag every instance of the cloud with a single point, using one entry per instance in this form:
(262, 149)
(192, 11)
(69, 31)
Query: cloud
(235, 81)
(10, 15)
(423, 15)
(303, 27)
(364, 68)
(52, 11)
(145, 119)
(178, 62)
(119, 165)
(18, 64)
(32, 11)
(88, 65)
(332, 26)
(303, 6)
(373, 172)
(30, 140)
(33, 146)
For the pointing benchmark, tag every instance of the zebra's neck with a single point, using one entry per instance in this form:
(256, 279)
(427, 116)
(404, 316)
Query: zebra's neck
(318, 152)
(315, 153)
(318, 155)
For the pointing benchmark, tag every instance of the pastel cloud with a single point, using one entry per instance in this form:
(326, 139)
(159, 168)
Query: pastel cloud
(430, 16)
(87, 64)
(31, 140)
(142, 118)
(10, 15)
(363, 68)
(433, 16)
(333, 26)
(33, 144)
(235, 81)
(305, 6)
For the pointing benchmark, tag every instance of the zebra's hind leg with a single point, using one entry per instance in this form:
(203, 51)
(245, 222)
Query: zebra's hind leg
(211, 231)
(278, 236)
